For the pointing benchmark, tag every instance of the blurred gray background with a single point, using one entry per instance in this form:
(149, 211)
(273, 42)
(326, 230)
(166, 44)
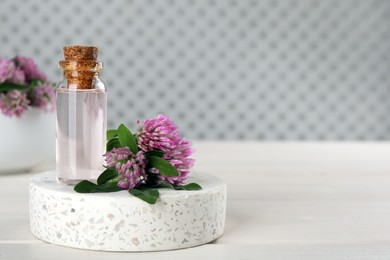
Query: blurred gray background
(224, 69)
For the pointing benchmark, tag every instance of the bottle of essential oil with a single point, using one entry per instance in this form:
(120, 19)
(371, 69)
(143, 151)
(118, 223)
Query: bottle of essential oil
(81, 116)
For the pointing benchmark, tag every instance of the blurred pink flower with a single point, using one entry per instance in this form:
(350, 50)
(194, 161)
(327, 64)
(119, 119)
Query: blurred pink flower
(18, 77)
(43, 96)
(34, 89)
(14, 102)
(30, 69)
(7, 69)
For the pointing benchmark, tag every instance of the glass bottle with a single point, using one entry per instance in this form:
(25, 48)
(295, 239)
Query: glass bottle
(81, 117)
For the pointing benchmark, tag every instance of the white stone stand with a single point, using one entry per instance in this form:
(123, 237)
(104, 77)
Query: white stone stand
(120, 222)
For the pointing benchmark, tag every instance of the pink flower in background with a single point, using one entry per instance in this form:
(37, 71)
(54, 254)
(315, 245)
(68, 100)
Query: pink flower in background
(30, 87)
(7, 69)
(14, 102)
(18, 77)
(30, 69)
(160, 133)
(43, 96)
(131, 167)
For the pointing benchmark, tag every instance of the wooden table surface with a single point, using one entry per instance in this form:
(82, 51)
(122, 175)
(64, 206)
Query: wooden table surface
(285, 201)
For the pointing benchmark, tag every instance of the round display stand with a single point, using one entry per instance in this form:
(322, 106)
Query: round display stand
(120, 222)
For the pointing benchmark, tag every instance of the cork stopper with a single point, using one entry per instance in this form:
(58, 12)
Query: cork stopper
(80, 66)
(77, 53)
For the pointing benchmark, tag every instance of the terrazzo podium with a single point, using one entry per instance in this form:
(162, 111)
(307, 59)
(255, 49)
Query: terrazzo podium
(120, 222)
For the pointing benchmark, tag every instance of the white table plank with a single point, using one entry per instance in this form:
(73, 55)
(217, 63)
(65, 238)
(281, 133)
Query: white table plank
(215, 252)
(292, 156)
(307, 222)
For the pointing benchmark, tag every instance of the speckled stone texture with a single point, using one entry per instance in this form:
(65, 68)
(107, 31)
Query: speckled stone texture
(120, 222)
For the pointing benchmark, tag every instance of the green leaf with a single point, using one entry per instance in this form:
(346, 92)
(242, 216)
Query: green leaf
(85, 187)
(165, 185)
(8, 86)
(108, 187)
(190, 186)
(107, 175)
(163, 166)
(34, 82)
(126, 138)
(111, 134)
(148, 195)
(113, 143)
(89, 187)
(157, 153)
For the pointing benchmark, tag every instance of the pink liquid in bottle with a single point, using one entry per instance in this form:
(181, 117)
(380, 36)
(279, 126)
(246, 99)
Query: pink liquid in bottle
(81, 131)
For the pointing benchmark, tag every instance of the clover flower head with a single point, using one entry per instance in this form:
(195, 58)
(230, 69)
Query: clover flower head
(7, 68)
(130, 166)
(29, 67)
(43, 96)
(14, 102)
(160, 133)
(180, 159)
(18, 77)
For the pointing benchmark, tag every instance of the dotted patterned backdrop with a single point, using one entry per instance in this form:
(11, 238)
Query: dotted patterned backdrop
(225, 69)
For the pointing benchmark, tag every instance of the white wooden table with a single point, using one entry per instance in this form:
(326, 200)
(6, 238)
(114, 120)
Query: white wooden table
(285, 201)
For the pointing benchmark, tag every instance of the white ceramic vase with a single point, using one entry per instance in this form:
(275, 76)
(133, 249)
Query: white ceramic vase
(27, 141)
